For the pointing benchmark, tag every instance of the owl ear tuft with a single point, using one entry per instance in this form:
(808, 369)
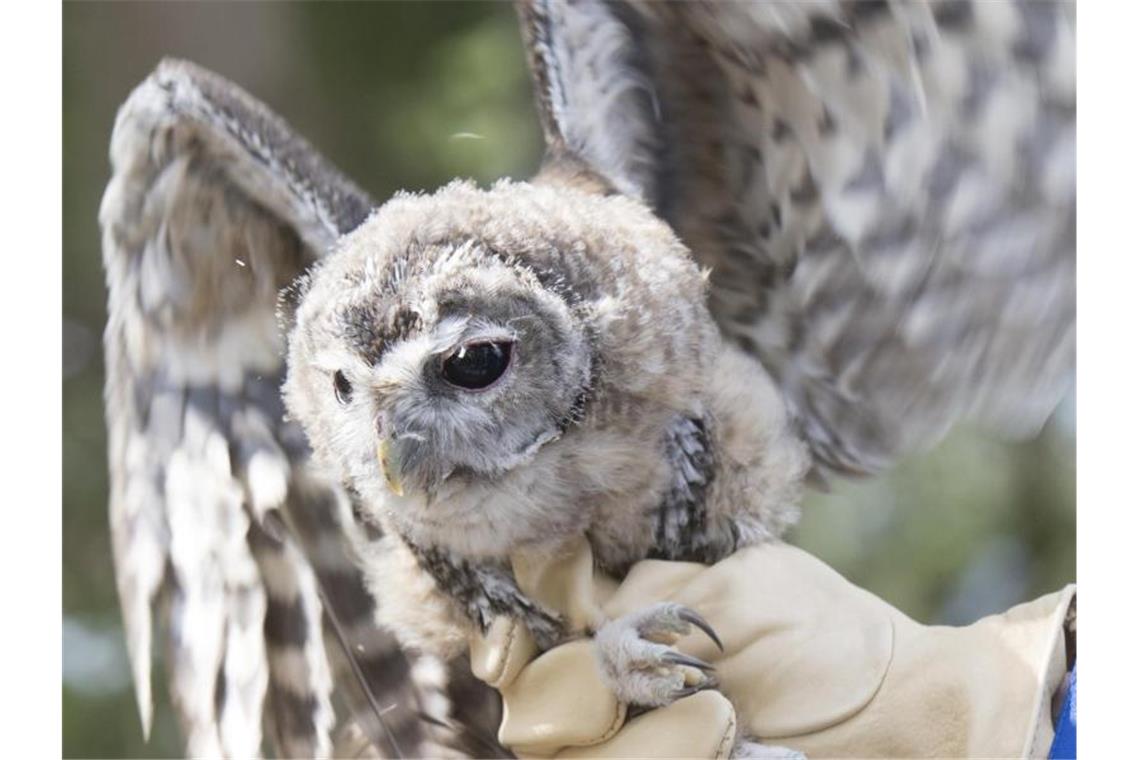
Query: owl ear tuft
(564, 169)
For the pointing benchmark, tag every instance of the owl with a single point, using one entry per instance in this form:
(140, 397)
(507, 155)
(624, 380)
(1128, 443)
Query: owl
(768, 244)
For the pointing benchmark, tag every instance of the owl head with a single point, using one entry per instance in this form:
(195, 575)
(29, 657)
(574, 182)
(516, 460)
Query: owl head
(463, 360)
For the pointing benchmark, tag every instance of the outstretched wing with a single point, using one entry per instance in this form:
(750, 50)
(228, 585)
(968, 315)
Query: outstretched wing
(884, 192)
(213, 207)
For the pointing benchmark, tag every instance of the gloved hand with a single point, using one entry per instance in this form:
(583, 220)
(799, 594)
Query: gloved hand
(810, 662)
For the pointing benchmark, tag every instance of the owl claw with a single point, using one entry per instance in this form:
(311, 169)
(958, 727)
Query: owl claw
(690, 616)
(684, 659)
(638, 662)
(688, 691)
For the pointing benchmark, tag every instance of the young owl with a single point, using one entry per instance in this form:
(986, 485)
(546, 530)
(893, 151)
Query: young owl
(498, 370)
(768, 242)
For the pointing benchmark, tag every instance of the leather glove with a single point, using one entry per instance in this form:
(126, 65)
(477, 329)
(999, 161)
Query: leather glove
(810, 662)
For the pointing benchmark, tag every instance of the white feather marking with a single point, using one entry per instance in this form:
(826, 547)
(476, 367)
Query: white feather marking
(251, 343)
(268, 481)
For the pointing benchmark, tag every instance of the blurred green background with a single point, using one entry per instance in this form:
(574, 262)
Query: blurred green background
(409, 95)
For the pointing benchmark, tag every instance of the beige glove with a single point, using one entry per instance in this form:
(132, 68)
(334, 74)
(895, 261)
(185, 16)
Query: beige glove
(811, 662)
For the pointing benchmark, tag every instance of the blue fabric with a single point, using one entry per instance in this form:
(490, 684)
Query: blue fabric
(1065, 738)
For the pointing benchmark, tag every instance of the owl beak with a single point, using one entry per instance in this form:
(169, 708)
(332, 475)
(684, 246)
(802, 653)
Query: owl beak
(390, 466)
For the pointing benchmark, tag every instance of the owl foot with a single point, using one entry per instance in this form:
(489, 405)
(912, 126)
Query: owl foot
(640, 665)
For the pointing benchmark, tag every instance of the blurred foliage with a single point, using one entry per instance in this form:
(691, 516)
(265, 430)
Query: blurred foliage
(407, 96)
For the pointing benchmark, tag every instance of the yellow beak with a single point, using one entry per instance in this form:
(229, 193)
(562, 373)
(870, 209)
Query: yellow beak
(390, 468)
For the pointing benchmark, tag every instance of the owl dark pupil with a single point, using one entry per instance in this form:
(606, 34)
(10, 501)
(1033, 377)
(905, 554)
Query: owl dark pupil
(477, 365)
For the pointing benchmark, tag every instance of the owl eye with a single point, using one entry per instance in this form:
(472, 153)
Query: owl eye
(342, 388)
(477, 365)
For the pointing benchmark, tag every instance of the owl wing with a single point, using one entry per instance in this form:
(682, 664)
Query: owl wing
(884, 193)
(221, 531)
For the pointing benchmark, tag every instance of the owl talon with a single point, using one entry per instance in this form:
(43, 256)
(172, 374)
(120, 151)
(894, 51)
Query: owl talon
(638, 662)
(688, 691)
(690, 616)
(687, 660)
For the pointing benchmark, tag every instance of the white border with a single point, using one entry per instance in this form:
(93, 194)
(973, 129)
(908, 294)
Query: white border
(31, 378)
(1108, 384)
(1109, 299)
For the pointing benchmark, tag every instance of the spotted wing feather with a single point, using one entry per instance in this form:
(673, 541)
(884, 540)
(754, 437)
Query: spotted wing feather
(213, 207)
(884, 193)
